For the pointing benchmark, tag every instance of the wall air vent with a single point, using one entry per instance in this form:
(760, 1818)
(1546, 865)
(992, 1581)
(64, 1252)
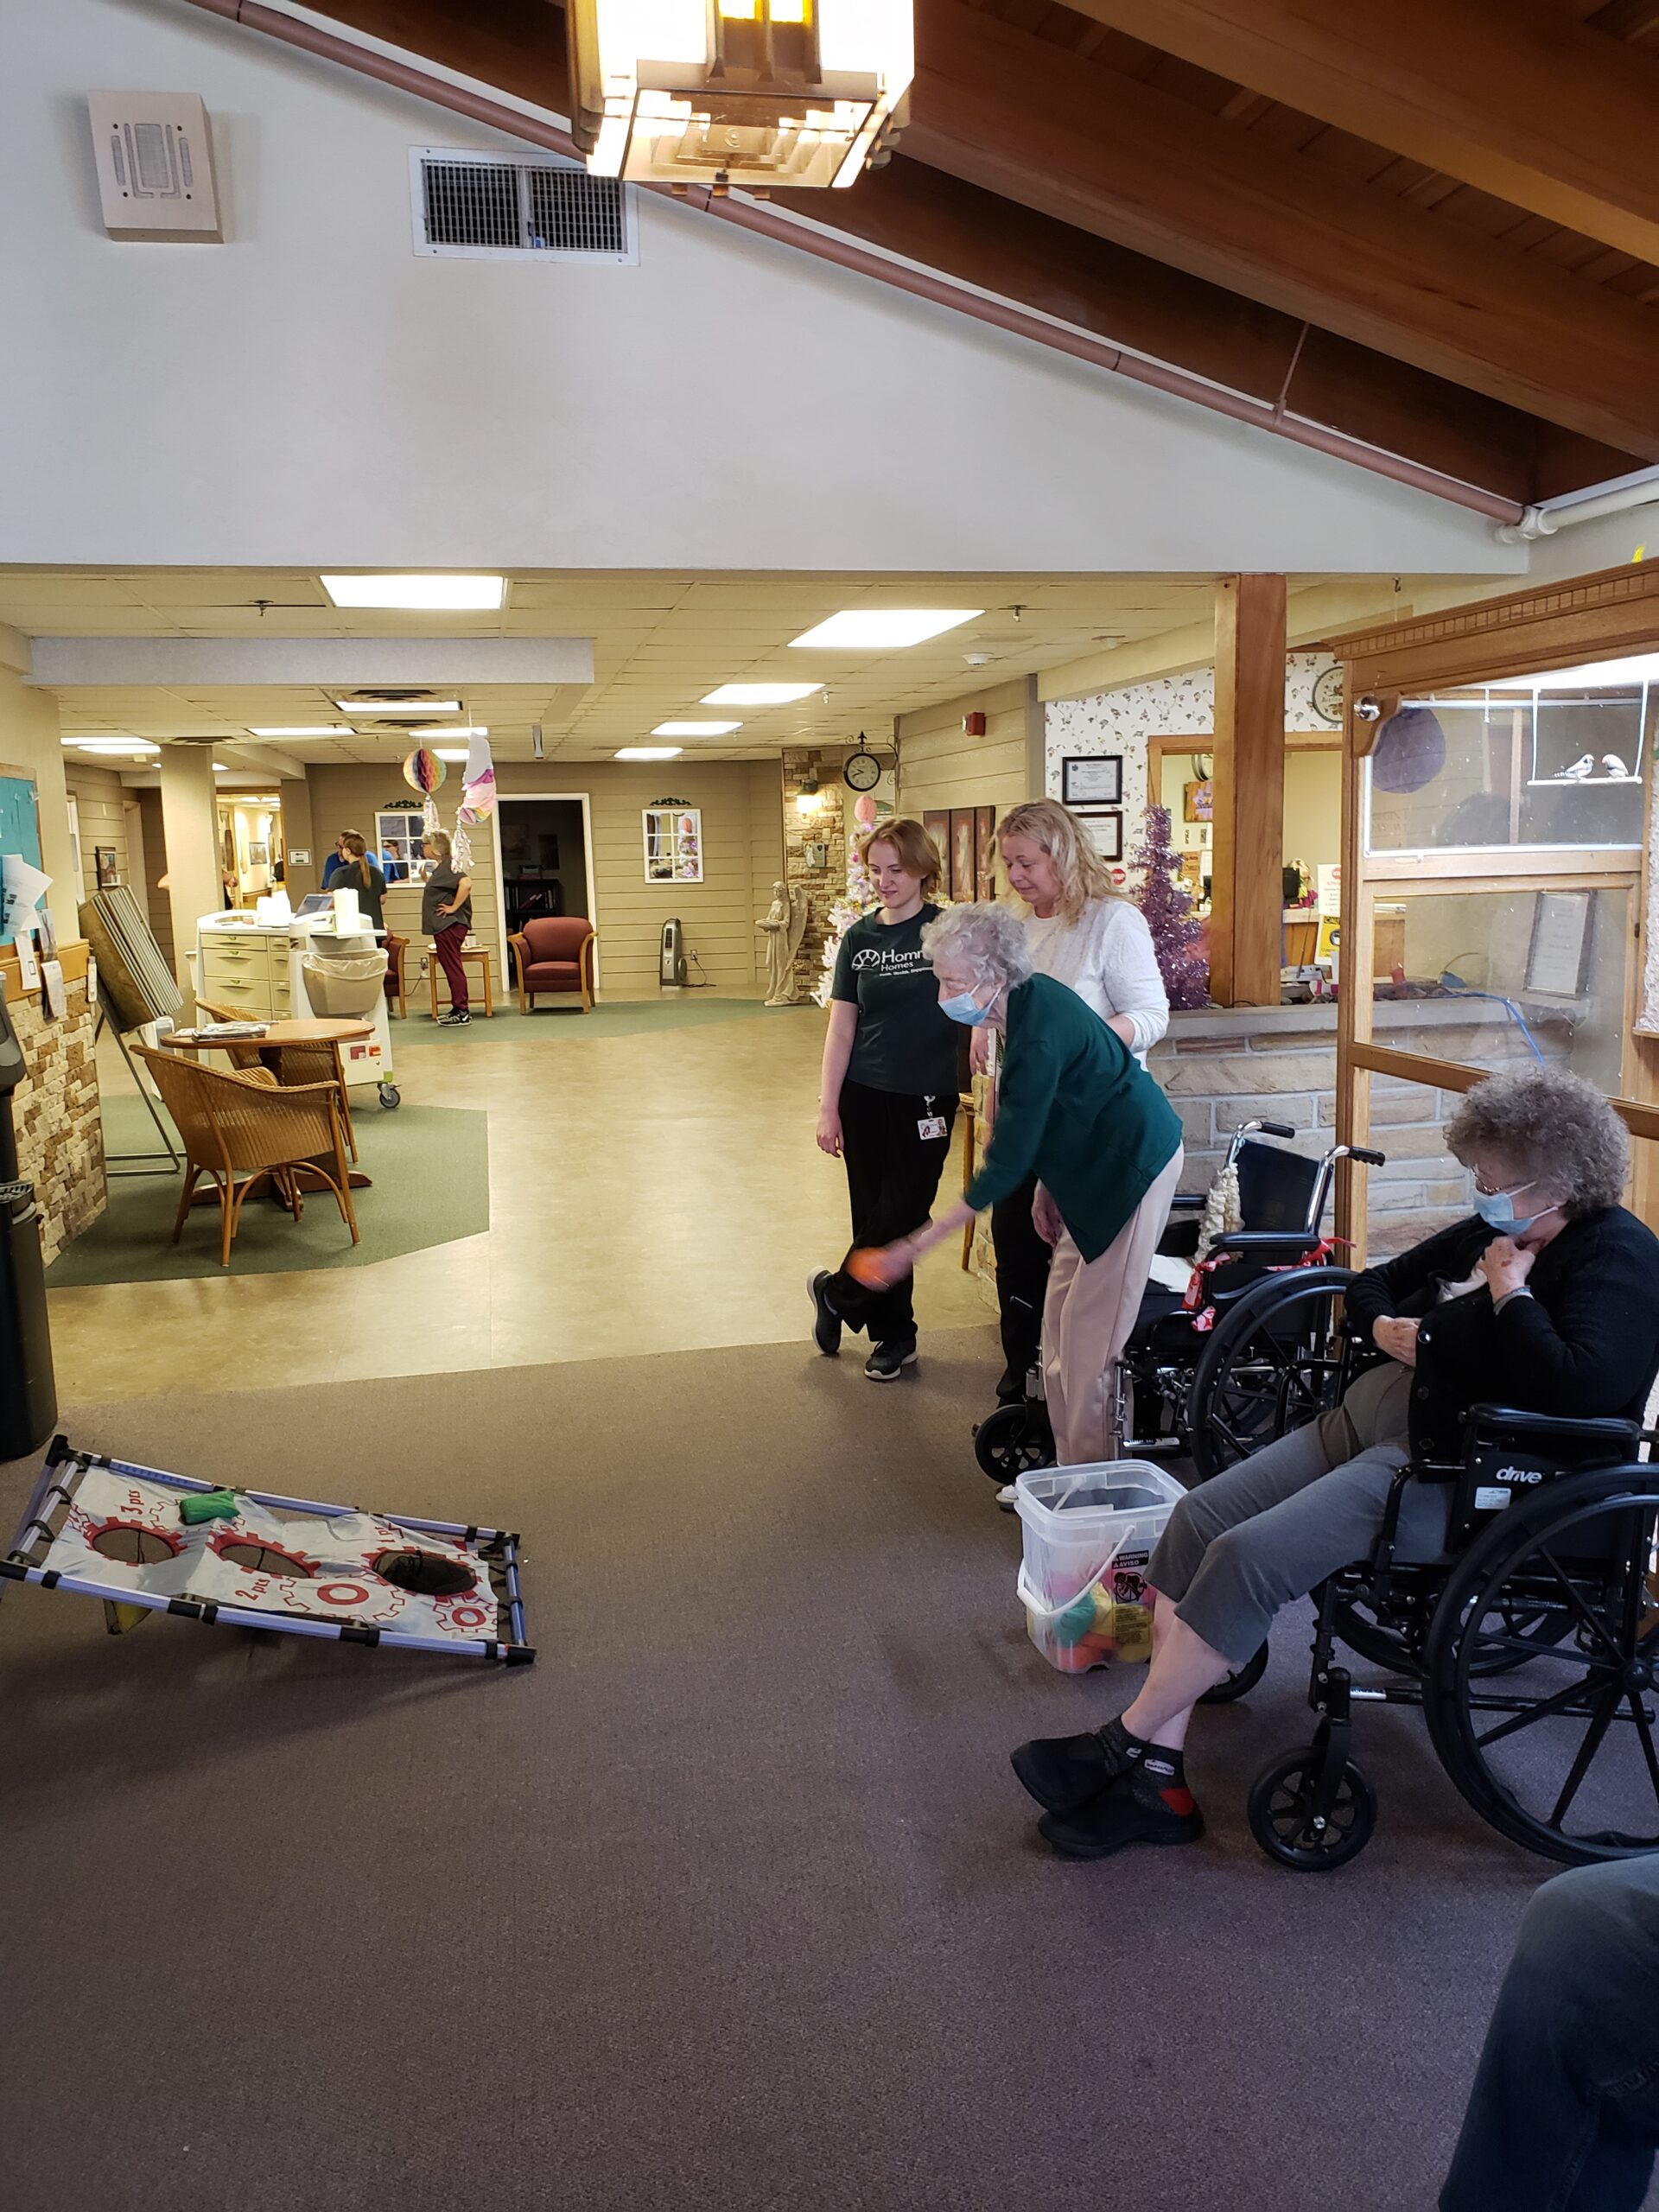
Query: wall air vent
(154, 166)
(493, 207)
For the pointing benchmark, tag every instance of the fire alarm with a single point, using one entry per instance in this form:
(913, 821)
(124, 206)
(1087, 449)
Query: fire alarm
(973, 725)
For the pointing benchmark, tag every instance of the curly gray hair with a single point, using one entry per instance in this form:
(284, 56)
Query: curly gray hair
(1553, 1128)
(990, 937)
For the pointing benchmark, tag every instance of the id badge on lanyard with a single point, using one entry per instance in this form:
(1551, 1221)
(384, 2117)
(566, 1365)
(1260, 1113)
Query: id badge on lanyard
(931, 1126)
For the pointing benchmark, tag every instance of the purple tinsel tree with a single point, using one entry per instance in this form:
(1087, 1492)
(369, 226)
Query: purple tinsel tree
(1167, 905)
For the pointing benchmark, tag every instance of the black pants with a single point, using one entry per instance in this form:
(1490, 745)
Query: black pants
(893, 1175)
(1022, 1259)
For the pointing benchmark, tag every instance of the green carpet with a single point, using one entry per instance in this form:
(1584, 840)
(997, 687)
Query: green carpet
(557, 1019)
(431, 1170)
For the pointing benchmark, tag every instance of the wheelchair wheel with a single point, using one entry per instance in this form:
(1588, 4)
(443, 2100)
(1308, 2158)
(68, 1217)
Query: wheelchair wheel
(1283, 1821)
(1559, 1600)
(1241, 1682)
(1015, 1438)
(1274, 1364)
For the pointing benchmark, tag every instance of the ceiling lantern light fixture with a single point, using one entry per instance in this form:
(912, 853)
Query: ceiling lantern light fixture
(758, 695)
(419, 594)
(886, 629)
(757, 94)
(808, 794)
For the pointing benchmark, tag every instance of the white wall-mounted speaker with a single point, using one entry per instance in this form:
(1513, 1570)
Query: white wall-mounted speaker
(154, 166)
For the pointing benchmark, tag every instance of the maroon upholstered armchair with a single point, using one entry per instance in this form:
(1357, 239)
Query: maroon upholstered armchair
(555, 953)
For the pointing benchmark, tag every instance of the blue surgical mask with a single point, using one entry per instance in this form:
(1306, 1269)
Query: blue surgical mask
(1496, 1209)
(967, 1009)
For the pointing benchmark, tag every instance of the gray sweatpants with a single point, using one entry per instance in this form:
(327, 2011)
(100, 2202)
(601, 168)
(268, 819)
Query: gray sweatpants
(1238, 1547)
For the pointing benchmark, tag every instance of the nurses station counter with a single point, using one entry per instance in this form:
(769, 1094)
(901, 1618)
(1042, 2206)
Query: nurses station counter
(255, 969)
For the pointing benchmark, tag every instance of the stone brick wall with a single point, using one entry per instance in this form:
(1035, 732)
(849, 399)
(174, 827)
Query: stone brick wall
(823, 885)
(55, 1111)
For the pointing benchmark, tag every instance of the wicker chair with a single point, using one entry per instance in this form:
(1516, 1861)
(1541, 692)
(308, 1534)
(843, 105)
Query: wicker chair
(240, 1126)
(291, 1064)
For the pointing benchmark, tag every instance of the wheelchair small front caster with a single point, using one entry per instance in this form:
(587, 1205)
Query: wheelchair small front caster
(1015, 1438)
(1284, 1822)
(391, 1096)
(1241, 1682)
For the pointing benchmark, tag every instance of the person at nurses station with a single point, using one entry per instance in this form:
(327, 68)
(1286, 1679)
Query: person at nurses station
(888, 1097)
(446, 916)
(1545, 1299)
(1079, 1112)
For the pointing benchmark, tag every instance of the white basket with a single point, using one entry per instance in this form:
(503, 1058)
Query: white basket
(1090, 1532)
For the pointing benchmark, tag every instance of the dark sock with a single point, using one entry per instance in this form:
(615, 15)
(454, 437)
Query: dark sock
(1160, 1773)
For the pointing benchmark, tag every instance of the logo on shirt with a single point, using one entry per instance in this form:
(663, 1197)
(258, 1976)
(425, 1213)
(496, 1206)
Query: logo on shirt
(887, 962)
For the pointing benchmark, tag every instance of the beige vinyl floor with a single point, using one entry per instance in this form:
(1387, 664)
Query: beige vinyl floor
(658, 1192)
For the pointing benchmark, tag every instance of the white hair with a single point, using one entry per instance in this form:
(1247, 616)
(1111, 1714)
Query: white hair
(990, 937)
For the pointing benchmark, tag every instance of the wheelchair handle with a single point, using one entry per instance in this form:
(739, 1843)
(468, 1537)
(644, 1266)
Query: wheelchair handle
(1269, 1129)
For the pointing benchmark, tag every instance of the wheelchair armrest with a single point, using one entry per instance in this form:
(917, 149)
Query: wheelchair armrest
(1530, 1432)
(1255, 1241)
(1189, 1202)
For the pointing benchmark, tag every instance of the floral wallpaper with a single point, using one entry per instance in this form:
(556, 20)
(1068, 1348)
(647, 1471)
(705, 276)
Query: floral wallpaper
(1171, 705)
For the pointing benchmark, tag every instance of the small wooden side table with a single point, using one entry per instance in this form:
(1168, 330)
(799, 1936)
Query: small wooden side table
(472, 953)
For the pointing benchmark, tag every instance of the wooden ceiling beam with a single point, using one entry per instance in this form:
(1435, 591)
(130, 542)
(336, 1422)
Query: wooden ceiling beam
(1512, 96)
(1018, 117)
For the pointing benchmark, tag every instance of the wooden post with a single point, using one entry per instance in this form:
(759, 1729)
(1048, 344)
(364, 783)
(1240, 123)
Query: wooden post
(1247, 894)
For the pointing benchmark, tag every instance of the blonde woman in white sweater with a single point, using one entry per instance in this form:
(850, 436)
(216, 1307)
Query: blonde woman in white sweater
(1086, 934)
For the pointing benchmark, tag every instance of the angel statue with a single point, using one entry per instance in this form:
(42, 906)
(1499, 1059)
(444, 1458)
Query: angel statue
(785, 924)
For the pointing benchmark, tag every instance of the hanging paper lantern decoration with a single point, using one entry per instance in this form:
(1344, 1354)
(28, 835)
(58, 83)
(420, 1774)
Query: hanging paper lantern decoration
(423, 771)
(864, 811)
(429, 816)
(477, 781)
(460, 850)
(1410, 751)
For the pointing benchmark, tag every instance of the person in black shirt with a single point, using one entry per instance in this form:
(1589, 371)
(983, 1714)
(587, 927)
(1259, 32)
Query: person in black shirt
(357, 872)
(445, 916)
(888, 1097)
(1546, 1300)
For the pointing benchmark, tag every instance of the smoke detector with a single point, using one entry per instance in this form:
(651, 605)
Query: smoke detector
(976, 660)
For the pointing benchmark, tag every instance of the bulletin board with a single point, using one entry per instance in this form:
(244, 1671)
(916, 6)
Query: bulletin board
(20, 817)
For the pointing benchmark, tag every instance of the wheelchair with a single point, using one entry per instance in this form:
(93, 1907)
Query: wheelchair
(1532, 1645)
(1282, 1199)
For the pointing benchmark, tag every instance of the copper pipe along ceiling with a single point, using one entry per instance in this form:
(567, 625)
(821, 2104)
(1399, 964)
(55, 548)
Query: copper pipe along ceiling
(920, 283)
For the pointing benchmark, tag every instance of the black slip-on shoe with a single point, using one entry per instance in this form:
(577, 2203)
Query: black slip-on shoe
(1062, 1772)
(889, 1361)
(826, 1322)
(1127, 1810)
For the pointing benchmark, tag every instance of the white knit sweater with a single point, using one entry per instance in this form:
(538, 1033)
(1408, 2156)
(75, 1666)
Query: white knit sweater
(1106, 957)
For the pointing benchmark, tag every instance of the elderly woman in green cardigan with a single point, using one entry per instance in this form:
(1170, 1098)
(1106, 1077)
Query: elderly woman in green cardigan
(1077, 1109)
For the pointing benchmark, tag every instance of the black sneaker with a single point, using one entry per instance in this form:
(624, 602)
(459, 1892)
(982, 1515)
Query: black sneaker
(889, 1361)
(1130, 1809)
(454, 1020)
(826, 1322)
(1062, 1772)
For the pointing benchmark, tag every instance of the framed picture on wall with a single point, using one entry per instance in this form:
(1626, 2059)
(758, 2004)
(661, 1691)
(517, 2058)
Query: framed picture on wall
(936, 823)
(104, 857)
(963, 833)
(1198, 802)
(1558, 953)
(1092, 779)
(1105, 834)
(985, 853)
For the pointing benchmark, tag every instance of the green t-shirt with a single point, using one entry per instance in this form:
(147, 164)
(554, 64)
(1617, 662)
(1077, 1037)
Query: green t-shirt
(902, 1042)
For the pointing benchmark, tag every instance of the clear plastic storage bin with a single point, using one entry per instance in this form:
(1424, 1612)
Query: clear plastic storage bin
(1088, 1536)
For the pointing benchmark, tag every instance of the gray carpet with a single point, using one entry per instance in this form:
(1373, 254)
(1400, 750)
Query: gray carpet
(730, 1903)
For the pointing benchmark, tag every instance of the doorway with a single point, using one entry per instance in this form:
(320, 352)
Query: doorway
(544, 846)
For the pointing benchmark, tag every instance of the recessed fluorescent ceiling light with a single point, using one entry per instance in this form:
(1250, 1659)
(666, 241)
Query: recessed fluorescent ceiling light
(695, 729)
(399, 707)
(112, 745)
(456, 729)
(448, 593)
(219, 769)
(451, 751)
(650, 753)
(306, 729)
(758, 695)
(883, 629)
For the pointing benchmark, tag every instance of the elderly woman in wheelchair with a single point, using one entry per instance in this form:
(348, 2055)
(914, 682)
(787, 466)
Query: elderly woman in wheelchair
(1545, 1302)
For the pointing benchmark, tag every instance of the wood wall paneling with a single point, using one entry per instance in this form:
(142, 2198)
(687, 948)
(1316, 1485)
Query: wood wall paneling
(101, 798)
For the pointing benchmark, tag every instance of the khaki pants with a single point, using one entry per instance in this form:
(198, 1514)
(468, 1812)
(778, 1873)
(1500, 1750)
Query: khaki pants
(1088, 1317)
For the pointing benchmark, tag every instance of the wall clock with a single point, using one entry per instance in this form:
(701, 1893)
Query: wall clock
(860, 771)
(1327, 695)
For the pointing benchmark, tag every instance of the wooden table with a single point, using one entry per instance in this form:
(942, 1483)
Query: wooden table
(476, 952)
(313, 1030)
